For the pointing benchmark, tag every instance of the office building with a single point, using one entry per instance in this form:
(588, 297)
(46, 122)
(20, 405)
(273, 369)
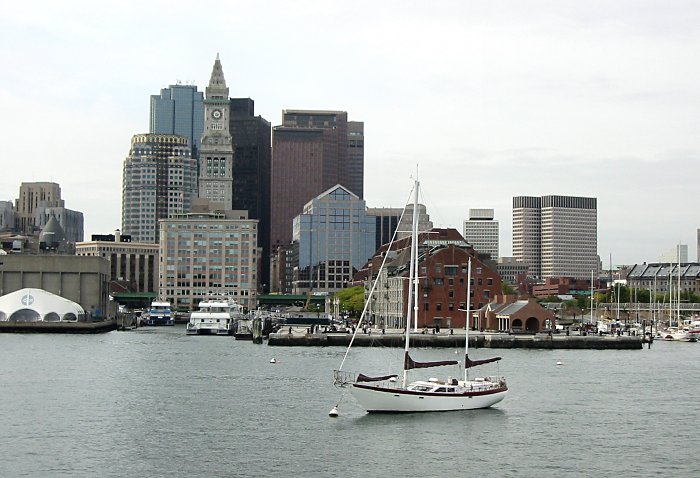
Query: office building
(310, 154)
(252, 156)
(179, 109)
(556, 236)
(208, 251)
(481, 231)
(159, 179)
(131, 263)
(216, 154)
(37, 203)
(388, 220)
(334, 238)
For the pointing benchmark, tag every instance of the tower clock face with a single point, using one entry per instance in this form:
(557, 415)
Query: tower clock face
(216, 114)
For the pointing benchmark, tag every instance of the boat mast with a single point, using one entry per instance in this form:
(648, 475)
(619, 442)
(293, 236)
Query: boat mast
(466, 327)
(592, 323)
(412, 306)
(678, 319)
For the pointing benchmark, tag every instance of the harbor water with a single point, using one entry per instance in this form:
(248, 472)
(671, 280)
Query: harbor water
(157, 403)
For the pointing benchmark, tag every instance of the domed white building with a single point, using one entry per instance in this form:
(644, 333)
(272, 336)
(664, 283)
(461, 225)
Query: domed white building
(38, 305)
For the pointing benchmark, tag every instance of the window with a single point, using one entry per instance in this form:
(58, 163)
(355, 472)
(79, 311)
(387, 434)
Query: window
(450, 270)
(451, 293)
(438, 281)
(438, 306)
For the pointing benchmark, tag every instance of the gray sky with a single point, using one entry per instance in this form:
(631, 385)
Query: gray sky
(491, 99)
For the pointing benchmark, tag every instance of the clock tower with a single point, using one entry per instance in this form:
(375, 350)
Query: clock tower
(216, 151)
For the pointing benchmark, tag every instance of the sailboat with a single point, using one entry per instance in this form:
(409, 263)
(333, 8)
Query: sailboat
(386, 394)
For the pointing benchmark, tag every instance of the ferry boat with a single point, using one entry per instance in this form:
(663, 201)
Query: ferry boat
(216, 316)
(159, 314)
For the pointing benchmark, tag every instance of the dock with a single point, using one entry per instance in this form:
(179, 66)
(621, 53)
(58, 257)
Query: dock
(477, 340)
(96, 327)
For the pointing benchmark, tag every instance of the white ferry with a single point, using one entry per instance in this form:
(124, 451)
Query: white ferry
(217, 315)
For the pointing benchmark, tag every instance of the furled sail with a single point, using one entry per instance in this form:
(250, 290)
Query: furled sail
(409, 363)
(468, 363)
(365, 378)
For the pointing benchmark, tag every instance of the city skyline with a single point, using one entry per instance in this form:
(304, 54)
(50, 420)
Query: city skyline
(525, 98)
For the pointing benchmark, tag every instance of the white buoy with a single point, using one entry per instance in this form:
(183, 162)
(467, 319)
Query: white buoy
(333, 413)
(560, 363)
(392, 379)
(272, 360)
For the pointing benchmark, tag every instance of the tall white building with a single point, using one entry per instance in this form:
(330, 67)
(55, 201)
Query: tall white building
(557, 236)
(481, 231)
(216, 153)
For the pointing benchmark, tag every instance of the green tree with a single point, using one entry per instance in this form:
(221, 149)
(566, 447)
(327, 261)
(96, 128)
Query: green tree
(507, 289)
(352, 300)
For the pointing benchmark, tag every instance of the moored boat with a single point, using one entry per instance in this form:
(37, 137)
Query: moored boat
(217, 315)
(388, 394)
(158, 314)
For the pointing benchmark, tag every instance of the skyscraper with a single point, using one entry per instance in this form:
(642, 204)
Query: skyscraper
(179, 109)
(310, 153)
(159, 179)
(216, 153)
(252, 154)
(355, 163)
(556, 236)
(481, 231)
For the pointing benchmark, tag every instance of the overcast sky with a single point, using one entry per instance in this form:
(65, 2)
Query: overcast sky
(490, 99)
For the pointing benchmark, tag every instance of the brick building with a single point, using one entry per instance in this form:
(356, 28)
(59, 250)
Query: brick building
(442, 288)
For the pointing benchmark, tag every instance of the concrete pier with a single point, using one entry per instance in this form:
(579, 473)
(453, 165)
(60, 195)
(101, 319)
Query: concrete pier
(479, 340)
(59, 327)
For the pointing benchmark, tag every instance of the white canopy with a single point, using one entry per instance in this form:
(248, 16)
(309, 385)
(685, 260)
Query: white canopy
(38, 305)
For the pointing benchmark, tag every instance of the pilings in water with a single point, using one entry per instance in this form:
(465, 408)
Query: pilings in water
(494, 341)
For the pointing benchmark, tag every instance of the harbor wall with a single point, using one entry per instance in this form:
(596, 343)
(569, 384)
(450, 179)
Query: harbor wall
(59, 327)
(494, 341)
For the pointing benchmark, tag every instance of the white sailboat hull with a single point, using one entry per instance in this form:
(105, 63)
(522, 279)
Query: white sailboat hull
(376, 399)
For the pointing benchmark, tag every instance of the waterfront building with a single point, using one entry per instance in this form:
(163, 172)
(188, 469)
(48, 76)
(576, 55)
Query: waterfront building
(37, 203)
(252, 156)
(481, 231)
(663, 277)
(132, 263)
(216, 154)
(507, 314)
(333, 238)
(159, 179)
(179, 109)
(310, 153)
(678, 254)
(84, 280)
(442, 287)
(208, 251)
(556, 236)
(555, 286)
